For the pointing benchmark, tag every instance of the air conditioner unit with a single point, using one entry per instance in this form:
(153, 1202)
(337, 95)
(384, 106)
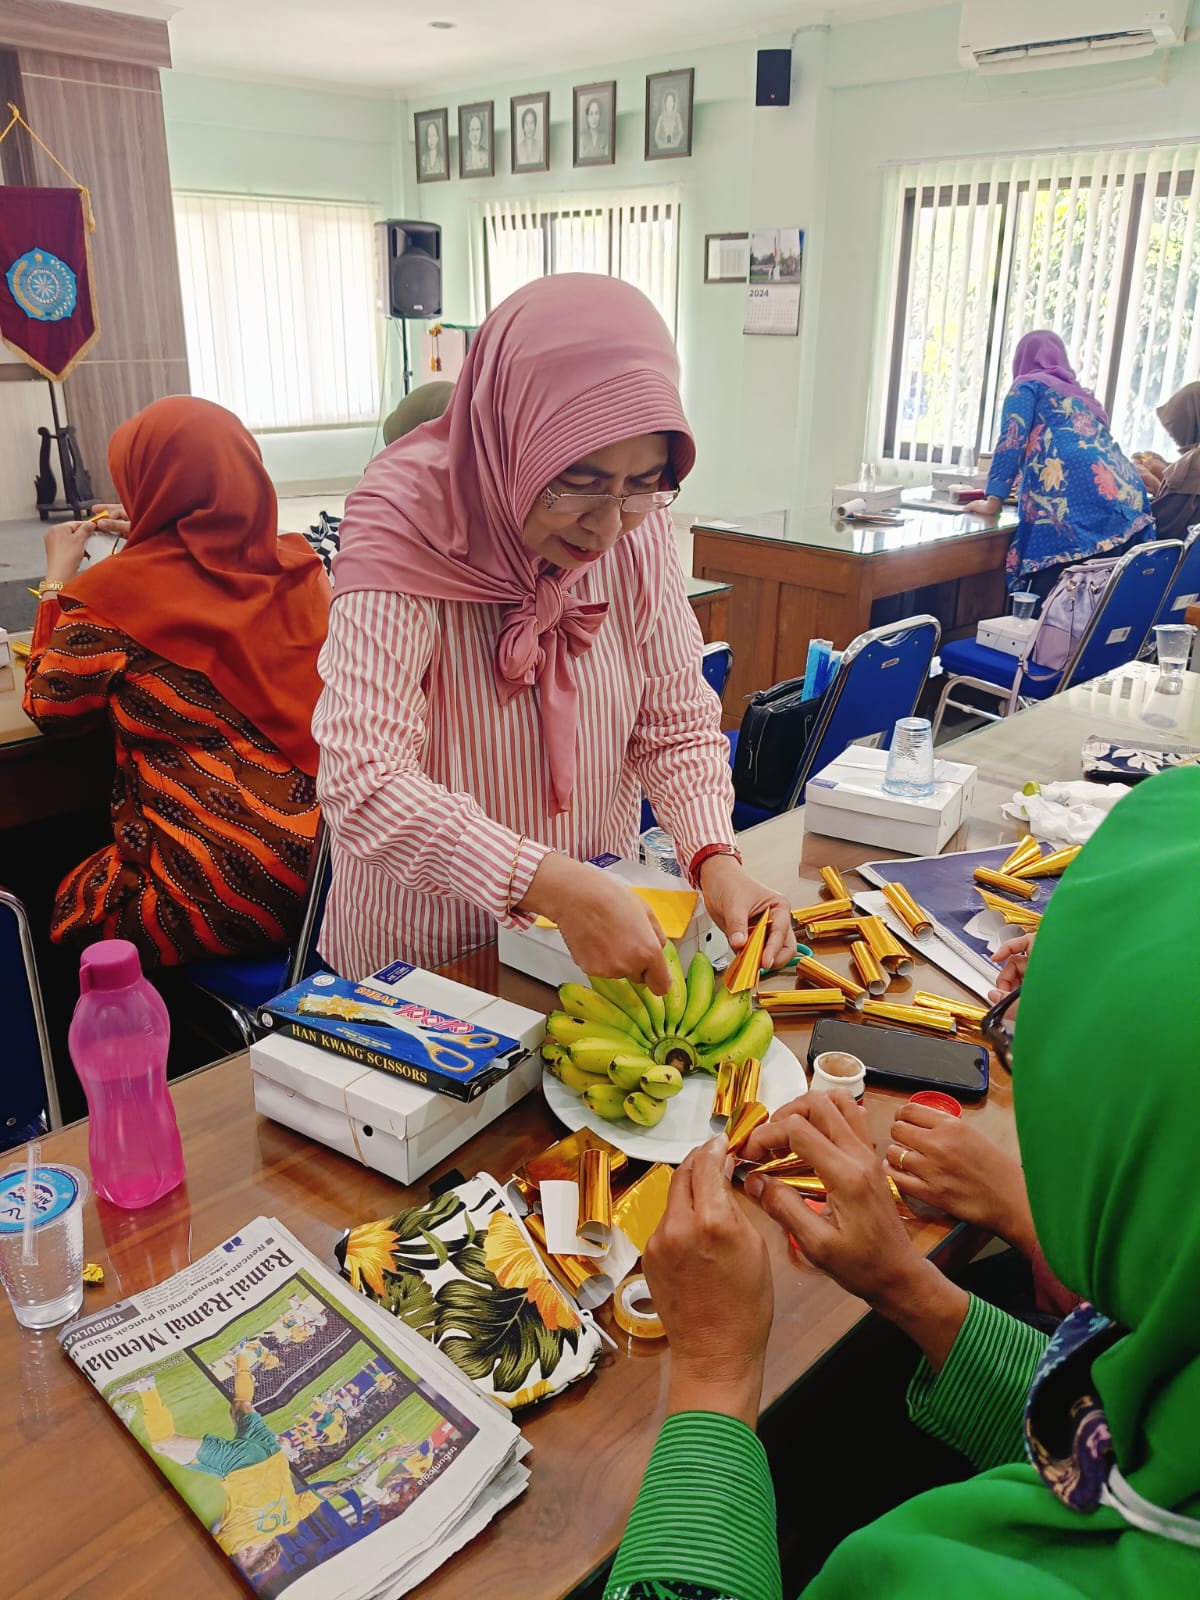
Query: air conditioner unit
(1027, 35)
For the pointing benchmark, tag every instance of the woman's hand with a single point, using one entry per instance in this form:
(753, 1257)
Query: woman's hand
(947, 1164)
(1012, 959)
(64, 549)
(735, 901)
(609, 931)
(710, 1278)
(115, 520)
(990, 507)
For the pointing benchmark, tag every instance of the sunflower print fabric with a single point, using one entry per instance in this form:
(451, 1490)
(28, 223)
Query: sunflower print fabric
(463, 1272)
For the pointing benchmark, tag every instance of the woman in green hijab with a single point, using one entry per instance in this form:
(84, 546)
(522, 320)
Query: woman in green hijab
(1088, 1446)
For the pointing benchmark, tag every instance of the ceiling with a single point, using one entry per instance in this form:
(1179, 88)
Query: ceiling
(388, 47)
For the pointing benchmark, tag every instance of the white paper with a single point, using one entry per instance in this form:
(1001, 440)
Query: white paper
(560, 1213)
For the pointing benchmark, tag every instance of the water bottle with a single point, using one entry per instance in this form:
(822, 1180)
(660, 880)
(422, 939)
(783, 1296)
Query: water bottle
(118, 1042)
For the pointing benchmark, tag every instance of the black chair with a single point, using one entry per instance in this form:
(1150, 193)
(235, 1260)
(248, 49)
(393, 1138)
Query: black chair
(30, 1096)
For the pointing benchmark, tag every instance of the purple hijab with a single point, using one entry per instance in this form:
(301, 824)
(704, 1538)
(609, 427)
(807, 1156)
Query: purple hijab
(1041, 357)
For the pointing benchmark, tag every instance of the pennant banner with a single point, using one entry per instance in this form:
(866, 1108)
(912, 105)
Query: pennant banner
(47, 302)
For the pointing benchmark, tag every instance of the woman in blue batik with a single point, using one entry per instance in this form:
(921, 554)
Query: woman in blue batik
(1078, 495)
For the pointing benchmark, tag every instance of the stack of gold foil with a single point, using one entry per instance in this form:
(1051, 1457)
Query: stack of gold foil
(1023, 854)
(573, 1272)
(891, 953)
(1020, 916)
(918, 922)
(1006, 884)
(967, 1016)
(1052, 865)
(823, 977)
(910, 1016)
(639, 1210)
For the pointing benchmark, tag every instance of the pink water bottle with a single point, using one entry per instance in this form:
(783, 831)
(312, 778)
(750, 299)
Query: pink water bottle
(118, 1040)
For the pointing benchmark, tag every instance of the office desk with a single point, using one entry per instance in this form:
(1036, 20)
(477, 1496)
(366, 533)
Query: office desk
(710, 602)
(818, 577)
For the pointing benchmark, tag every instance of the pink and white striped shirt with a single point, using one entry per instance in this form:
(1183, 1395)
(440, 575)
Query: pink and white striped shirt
(428, 781)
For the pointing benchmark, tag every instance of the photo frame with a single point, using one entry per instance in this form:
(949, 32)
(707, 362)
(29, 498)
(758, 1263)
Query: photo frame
(433, 157)
(669, 105)
(726, 257)
(594, 124)
(477, 140)
(529, 144)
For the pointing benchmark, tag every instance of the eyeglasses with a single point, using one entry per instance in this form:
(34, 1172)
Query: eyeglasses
(997, 1037)
(634, 505)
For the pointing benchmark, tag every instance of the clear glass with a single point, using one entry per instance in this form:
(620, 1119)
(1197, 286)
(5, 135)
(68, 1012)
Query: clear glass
(910, 760)
(966, 461)
(48, 1291)
(1024, 605)
(866, 475)
(1173, 642)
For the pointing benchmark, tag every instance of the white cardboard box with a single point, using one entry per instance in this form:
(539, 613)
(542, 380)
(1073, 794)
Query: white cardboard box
(1007, 634)
(883, 497)
(542, 952)
(947, 478)
(846, 801)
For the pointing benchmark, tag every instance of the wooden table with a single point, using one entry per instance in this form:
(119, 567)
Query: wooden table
(818, 577)
(710, 602)
(40, 777)
(130, 1537)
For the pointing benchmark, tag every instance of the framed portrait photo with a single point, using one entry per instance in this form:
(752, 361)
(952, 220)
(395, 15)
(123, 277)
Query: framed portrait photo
(477, 140)
(595, 124)
(669, 114)
(433, 145)
(726, 257)
(529, 148)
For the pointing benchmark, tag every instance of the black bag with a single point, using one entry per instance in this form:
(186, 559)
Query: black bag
(775, 731)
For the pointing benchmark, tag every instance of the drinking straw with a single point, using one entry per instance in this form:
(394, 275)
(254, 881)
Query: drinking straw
(28, 1238)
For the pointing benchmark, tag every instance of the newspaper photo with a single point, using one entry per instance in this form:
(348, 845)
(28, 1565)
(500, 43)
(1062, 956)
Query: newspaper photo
(297, 1420)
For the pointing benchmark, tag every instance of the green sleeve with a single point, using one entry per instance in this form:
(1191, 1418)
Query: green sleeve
(705, 1515)
(977, 1401)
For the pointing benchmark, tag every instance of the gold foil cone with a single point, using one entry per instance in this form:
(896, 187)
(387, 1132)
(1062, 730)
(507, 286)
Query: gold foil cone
(823, 977)
(788, 1166)
(917, 922)
(832, 928)
(742, 1124)
(885, 944)
(571, 1271)
(911, 1016)
(800, 1000)
(737, 1084)
(561, 1160)
(1020, 916)
(866, 963)
(823, 910)
(595, 1198)
(970, 1016)
(640, 1209)
(1006, 885)
(745, 969)
(835, 884)
(1052, 865)
(1026, 851)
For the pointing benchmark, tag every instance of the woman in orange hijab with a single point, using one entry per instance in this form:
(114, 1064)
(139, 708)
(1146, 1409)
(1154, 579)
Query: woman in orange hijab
(198, 644)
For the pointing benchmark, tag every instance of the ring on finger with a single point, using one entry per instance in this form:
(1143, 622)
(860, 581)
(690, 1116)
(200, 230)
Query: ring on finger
(903, 1159)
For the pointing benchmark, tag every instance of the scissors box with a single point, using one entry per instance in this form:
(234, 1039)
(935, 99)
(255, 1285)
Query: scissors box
(846, 801)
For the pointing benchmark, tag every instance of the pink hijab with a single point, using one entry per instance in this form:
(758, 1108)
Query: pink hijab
(1042, 357)
(565, 366)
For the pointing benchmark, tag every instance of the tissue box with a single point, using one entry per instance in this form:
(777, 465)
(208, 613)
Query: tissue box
(542, 952)
(846, 801)
(947, 478)
(882, 498)
(1008, 634)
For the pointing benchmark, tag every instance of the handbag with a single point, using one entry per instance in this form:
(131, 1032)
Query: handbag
(1068, 610)
(774, 735)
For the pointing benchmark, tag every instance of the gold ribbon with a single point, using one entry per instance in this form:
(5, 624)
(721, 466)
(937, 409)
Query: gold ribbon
(85, 193)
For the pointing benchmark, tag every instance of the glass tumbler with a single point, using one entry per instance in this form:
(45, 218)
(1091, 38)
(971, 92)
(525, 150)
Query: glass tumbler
(1024, 604)
(1173, 642)
(910, 760)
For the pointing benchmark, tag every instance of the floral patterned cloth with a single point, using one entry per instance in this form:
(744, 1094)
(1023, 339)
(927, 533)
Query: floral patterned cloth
(1077, 494)
(1066, 1432)
(464, 1273)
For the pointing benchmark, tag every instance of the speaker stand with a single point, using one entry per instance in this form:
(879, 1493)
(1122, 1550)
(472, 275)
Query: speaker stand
(408, 375)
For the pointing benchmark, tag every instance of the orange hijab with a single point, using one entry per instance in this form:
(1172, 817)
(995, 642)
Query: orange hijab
(205, 580)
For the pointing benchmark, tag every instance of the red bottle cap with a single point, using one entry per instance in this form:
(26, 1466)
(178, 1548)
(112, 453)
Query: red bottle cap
(111, 964)
(936, 1101)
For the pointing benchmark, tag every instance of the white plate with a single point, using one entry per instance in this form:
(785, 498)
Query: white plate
(686, 1123)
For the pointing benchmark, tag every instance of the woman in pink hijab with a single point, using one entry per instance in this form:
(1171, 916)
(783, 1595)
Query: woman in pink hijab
(512, 658)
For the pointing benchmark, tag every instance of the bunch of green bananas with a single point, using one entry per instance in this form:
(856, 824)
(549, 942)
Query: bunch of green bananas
(626, 1049)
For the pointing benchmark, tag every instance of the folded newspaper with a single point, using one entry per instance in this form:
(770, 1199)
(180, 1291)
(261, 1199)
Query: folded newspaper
(298, 1420)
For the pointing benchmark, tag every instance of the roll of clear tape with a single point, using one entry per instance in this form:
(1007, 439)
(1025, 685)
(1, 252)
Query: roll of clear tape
(631, 1296)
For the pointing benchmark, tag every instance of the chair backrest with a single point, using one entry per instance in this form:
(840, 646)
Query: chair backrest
(1122, 621)
(304, 952)
(879, 680)
(27, 1088)
(1184, 588)
(716, 665)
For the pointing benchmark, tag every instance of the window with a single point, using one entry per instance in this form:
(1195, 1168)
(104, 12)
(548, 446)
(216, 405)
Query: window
(1102, 246)
(279, 309)
(634, 236)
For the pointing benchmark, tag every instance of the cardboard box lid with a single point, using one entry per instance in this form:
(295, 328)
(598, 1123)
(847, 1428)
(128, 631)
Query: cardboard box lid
(854, 782)
(362, 1093)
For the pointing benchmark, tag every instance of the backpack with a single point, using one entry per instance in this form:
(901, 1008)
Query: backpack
(1067, 613)
(775, 731)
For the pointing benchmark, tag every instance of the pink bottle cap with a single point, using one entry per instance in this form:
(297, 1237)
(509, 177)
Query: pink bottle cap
(936, 1102)
(111, 964)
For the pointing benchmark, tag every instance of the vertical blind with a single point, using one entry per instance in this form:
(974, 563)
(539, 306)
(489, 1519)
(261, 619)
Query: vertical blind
(634, 236)
(1101, 246)
(279, 309)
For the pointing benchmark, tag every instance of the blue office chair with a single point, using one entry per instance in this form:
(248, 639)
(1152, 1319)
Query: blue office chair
(29, 1096)
(1184, 589)
(879, 680)
(716, 665)
(241, 984)
(1120, 625)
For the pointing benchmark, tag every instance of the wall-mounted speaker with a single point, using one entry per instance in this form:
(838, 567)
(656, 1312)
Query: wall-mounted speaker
(408, 280)
(774, 78)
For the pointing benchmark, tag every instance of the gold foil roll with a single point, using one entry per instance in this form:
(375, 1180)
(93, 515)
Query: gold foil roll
(867, 964)
(640, 1209)
(745, 969)
(561, 1160)
(571, 1271)
(595, 1198)
(823, 977)
(970, 1016)
(911, 1016)
(885, 944)
(1026, 851)
(752, 1077)
(1006, 885)
(835, 884)
(800, 1000)
(1052, 865)
(737, 1082)
(1020, 916)
(752, 1114)
(917, 922)
(833, 928)
(788, 1166)
(823, 910)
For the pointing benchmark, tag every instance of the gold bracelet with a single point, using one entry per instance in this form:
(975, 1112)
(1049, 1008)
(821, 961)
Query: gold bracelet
(44, 588)
(512, 877)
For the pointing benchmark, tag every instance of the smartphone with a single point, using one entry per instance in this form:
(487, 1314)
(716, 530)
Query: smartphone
(898, 1060)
